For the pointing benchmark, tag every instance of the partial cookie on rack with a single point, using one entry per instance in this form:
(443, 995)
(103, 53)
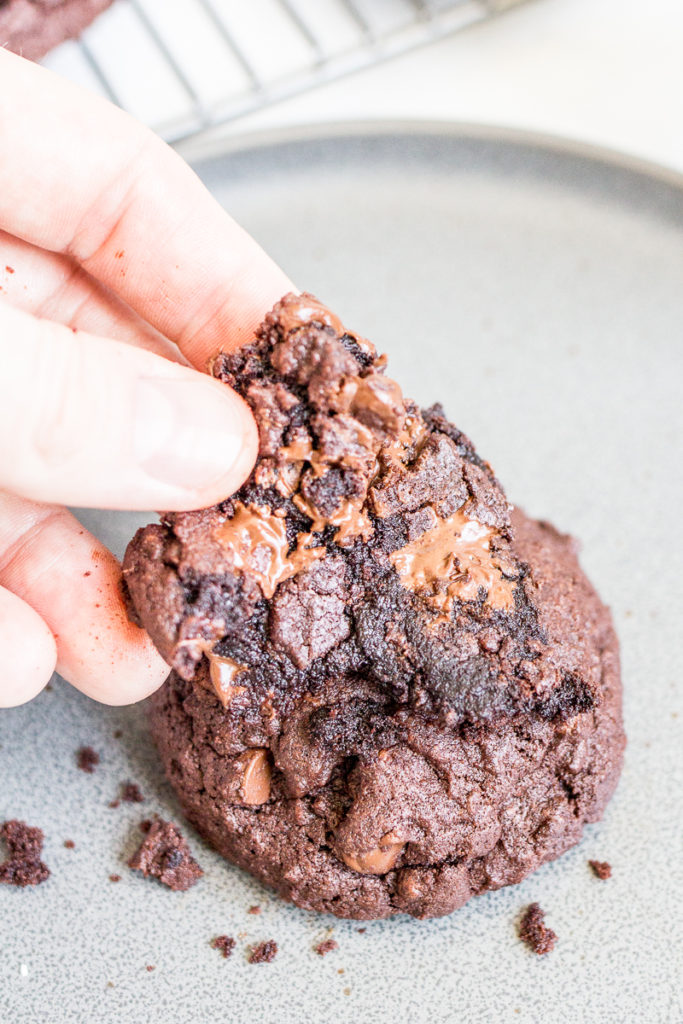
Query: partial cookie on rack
(32, 27)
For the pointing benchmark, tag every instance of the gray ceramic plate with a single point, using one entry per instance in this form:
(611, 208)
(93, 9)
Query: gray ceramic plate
(537, 290)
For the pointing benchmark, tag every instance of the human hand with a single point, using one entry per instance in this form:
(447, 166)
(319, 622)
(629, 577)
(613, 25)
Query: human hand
(119, 273)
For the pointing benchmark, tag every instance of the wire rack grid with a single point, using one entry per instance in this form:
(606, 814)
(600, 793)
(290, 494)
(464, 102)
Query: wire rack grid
(183, 66)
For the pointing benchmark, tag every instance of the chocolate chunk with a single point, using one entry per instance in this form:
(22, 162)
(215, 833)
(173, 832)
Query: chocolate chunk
(164, 854)
(252, 776)
(24, 846)
(263, 953)
(374, 862)
(223, 673)
(535, 933)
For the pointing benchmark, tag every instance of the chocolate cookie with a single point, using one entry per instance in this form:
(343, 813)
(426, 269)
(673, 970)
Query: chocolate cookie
(390, 691)
(32, 27)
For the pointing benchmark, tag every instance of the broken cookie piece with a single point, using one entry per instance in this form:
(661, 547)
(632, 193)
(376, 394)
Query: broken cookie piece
(164, 854)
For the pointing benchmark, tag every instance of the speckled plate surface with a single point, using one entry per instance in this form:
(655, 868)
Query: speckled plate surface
(537, 290)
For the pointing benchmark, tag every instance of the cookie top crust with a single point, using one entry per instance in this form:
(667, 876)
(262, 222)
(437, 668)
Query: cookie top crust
(370, 543)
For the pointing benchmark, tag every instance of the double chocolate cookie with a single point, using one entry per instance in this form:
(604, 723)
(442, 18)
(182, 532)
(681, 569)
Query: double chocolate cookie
(391, 691)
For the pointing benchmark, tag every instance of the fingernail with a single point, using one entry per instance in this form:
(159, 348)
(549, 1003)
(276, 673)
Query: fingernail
(187, 433)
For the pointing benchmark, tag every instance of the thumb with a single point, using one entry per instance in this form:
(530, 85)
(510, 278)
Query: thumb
(97, 423)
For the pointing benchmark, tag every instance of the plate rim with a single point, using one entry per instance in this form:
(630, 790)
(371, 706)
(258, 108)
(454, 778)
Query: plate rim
(197, 151)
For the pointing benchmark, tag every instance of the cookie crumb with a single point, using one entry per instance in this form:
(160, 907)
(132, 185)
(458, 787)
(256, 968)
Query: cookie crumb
(328, 946)
(117, 734)
(87, 759)
(254, 910)
(361, 931)
(225, 944)
(69, 844)
(264, 953)
(534, 932)
(24, 845)
(10, 270)
(145, 825)
(347, 991)
(164, 854)
(115, 878)
(150, 967)
(131, 793)
(601, 869)
(114, 804)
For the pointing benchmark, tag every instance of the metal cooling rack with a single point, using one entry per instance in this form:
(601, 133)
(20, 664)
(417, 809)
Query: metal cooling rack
(183, 66)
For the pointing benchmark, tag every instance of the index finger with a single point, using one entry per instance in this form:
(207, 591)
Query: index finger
(79, 176)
